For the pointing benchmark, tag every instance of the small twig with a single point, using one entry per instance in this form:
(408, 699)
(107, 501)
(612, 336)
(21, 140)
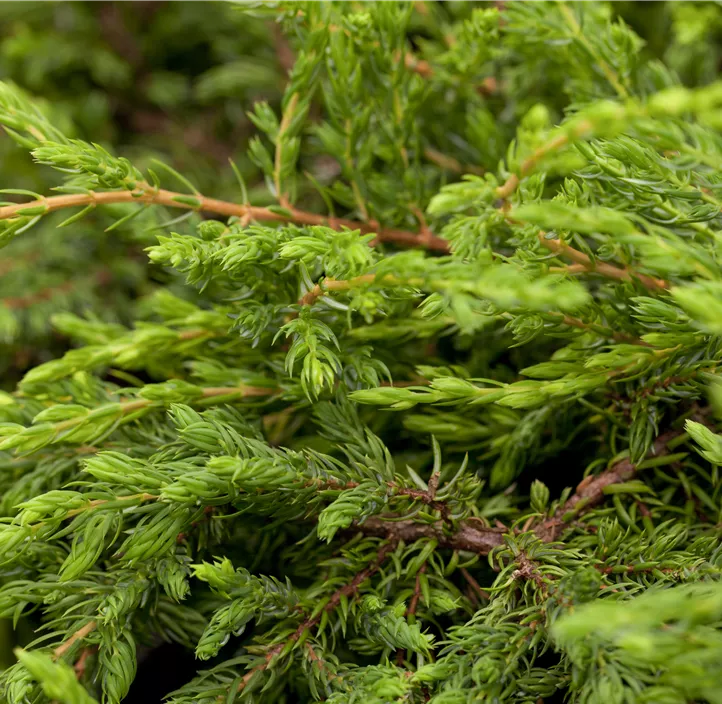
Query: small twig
(81, 633)
(608, 270)
(284, 53)
(529, 570)
(607, 70)
(82, 662)
(601, 330)
(449, 163)
(278, 163)
(488, 86)
(417, 592)
(321, 663)
(428, 498)
(474, 584)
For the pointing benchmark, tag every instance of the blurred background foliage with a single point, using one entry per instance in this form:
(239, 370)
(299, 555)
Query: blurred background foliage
(157, 80)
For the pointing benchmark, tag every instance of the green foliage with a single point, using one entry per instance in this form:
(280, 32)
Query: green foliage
(414, 400)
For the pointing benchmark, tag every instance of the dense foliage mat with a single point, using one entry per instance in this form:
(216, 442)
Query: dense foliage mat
(421, 407)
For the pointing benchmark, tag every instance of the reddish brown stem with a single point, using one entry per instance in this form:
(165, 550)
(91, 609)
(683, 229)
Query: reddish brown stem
(345, 591)
(474, 584)
(473, 535)
(417, 592)
(82, 662)
(102, 278)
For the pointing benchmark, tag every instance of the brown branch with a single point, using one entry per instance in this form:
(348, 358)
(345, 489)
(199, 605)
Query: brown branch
(284, 53)
(444, 161)
(411, 610)
(319, 290)
(512, 182)
(423, 68)
(82, 662)
(601, 330)
(321, 663)
(406, 238)
(278, 159)
(148, 195)
(346, 591)
(426, 239)
(12, 264)
(474, 584)
(488, 86)
(469, 536)
(473, 535)
(115, 32)
(196, 136)
(102, 278)
(45, 294)
(529, 570)
(427, 497)
(584, 262)
(608, 270)
(590, 491)
(417, 592)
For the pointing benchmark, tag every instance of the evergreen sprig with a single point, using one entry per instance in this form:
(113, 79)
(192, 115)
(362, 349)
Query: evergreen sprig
(478, 263)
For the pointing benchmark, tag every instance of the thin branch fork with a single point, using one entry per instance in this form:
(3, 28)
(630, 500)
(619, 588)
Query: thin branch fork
(474, 536)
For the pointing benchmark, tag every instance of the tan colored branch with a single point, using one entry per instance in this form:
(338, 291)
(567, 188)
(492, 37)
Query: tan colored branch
(171, 199)
(488, 86)
(444, 161)
(400, 237)
(278, 160)
(553, 145)
(601, 330)
(608, 270)
(328, 285)
(81, 633)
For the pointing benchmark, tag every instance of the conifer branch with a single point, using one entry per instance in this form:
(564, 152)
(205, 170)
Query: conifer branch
(172, 199)
(608, 270)
(600, 330)
(127, 408)
(472, 535)
(528, 165)
(226, 415)
(603, 65)
(312, 621)
(278, 162)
